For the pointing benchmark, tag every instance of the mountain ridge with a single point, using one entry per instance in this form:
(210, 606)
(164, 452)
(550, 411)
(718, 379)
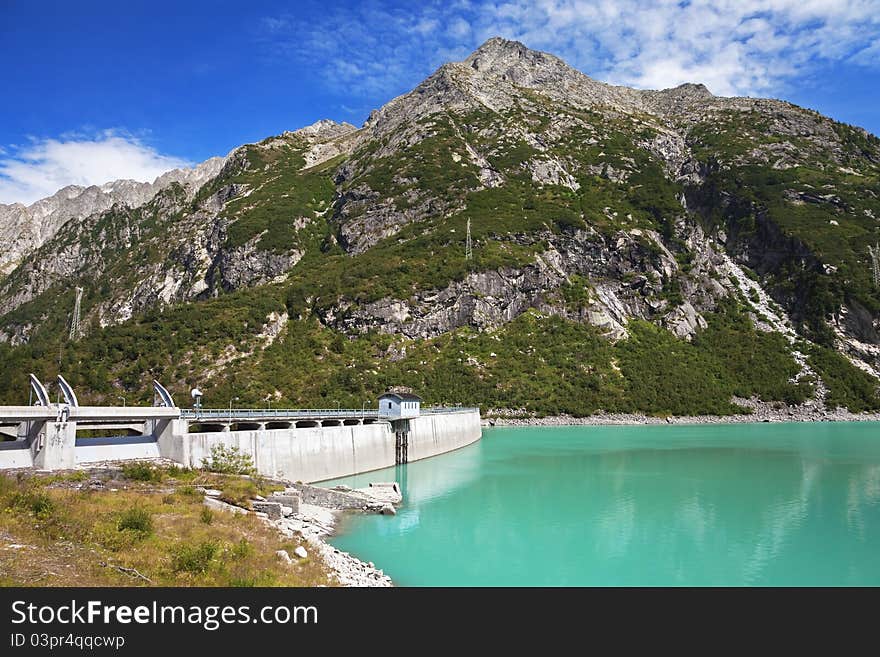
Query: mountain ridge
(736, 227)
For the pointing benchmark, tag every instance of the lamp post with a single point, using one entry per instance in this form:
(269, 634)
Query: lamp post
(122, 397)
(231, 399)
(197, 400)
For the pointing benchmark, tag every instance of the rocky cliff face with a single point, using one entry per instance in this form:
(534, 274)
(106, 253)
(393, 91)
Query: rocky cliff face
(23, 229)
(596, 204)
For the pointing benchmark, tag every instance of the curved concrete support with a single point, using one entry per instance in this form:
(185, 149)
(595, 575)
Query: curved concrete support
(275, 426)
(40, 391)
(306, 424)
(67, 390)
(162, 396)
(351, 422)
(331, 423)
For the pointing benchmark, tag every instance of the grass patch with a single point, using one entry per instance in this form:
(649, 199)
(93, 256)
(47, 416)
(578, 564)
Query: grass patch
(69, 534)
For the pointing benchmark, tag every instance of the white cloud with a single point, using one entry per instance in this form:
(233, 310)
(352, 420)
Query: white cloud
(735, 47)
(41, 168)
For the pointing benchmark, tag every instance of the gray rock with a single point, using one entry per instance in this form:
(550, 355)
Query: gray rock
(220, 505)
(271, 509)
(288, 500)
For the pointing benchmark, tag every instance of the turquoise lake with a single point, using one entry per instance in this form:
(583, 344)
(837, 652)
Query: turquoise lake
(735, 504)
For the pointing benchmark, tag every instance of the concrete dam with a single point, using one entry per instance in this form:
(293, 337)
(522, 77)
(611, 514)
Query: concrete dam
(304, 445)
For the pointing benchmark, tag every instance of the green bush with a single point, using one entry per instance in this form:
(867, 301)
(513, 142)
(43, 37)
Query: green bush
(36, 502)
(138, 471)
(137, 520)
(229, 460)
(195, 559)
(206, 516)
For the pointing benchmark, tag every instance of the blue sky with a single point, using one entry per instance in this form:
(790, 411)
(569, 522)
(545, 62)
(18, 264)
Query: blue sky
(95, 91)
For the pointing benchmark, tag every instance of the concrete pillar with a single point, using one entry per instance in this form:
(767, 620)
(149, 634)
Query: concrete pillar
(173, 439)
(33, 431)
(59, 447)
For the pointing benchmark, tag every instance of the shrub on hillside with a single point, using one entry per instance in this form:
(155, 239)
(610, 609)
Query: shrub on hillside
(138, 520)
(138, 471)
(194, 559)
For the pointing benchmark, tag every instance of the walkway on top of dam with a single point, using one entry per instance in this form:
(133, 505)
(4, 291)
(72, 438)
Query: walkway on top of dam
(144, 419)
(283, 418)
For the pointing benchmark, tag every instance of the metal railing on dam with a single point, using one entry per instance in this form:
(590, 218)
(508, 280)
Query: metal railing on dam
(235, 414)
(275, 413)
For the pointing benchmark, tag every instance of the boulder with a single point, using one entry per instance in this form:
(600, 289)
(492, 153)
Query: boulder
(291, 500)
(384, 491)
(220, 505)
(282, 554)
(271, 509)
(301, 552)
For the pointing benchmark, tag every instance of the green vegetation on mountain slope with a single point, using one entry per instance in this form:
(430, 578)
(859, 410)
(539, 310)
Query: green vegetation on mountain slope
(542, 364)
(828, 201)
(280, 198)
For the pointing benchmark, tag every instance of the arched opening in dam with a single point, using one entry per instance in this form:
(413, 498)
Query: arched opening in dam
(244, 426)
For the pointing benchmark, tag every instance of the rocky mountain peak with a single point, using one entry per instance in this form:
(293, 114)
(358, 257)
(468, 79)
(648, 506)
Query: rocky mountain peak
(513, 61)
(325, 129)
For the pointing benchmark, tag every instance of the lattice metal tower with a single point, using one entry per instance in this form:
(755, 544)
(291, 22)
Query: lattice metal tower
(74, 321)
(468, 245)
(875, 263)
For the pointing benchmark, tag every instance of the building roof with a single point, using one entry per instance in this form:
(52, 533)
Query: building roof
(402, 396)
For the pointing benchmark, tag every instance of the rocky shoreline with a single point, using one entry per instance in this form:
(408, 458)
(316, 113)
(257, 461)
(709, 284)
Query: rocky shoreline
(315, 524)
(760, 412)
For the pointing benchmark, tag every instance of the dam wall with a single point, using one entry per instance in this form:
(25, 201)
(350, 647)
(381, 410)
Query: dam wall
(303, 454)
(439, 433)
(318, 453)
(295, 453)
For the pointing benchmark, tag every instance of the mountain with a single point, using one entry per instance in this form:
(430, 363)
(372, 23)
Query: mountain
(25, 228)
(662, 251)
